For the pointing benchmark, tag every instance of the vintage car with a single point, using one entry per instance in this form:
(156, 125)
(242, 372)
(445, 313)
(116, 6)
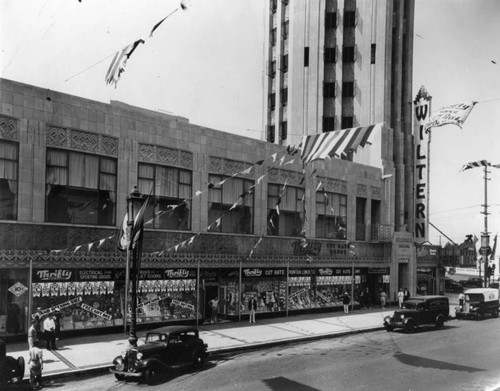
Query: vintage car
(478, 303)
(472, 282)
(452, 286)
(11, 369)
(419, 311)
(165, 350)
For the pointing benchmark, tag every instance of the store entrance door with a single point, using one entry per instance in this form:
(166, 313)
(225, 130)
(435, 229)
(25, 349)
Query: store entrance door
(211, 292)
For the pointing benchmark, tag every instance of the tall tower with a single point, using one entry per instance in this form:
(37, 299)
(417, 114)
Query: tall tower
(336, 64)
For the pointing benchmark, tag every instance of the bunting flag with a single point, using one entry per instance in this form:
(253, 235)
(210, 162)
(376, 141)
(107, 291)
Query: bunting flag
(494, 249)
(337, 143)
(479, 163)
(161, 21)
(450, 115)
(117, 66)
(123, 240)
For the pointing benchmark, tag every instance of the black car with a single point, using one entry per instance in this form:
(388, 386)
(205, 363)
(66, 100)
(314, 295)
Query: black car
(165, 349)
(419, 311)
(11, 369)
(452, 286)
(473, 282)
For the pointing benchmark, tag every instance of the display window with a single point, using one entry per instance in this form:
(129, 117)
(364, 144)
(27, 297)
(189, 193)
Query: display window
(268, 286)
(14, 301)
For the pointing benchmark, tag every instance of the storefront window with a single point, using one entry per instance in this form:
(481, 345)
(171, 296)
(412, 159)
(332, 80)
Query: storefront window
(268, 286)
(172, 190)
(8, 180)
(285, 210)
(80, 188)
(230, 205)
(14, 297)
(331, 219)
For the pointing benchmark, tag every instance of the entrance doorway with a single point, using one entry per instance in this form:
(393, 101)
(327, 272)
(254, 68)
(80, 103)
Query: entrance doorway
(211, 292)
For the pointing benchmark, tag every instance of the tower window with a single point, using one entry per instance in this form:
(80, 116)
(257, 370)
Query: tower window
(330, 55)
(330, 20)
(348, 54)
(347, 89)
(373, 53)
(328, 124)
(306, 56)
(350, 19)
(329, 89)
(347, 122)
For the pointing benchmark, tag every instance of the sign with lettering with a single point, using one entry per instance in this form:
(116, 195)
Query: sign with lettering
(422, 112)
(95, 275)
(49, 274)
(263, 273)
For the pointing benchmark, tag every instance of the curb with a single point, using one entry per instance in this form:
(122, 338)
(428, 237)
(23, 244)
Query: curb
(217, 353)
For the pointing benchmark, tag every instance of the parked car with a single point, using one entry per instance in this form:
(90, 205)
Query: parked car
(11, 369)
(165, 349)
(452, 286)
(419, 311)
(478, 303)
(472, 282)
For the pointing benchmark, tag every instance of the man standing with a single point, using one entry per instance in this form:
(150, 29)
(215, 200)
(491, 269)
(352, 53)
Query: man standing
(406, 294)
(49, 327)
(252, 307)
(214, 307)
(401, 297)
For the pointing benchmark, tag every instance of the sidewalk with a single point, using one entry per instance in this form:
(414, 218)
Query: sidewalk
(94, 353)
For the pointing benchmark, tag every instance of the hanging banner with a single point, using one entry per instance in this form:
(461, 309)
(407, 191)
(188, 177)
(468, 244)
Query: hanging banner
(422, 112)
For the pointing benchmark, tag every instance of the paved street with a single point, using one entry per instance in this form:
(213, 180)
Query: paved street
(459, 357)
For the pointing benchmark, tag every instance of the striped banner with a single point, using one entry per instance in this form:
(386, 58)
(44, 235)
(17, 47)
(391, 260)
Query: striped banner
(479, 163)
(336, 144)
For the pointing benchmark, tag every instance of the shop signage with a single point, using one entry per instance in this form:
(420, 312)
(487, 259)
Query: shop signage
(45, 275)
(95, 275)
(151, 274)
(339, 249)
(258, 272)
(209, 275)
(422, 112)
(378, 270)
(179, 273)
(18, 289)
(299, 272)
(306, 247)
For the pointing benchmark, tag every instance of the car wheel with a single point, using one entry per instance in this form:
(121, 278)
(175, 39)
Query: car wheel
(410, 326)
(388, 328)
(198, 359)
(20, 368)
(150, 376)
(119, 377)
(439, 322)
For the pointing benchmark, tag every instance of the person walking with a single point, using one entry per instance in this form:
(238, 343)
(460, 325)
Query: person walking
(383, 299)
(461, 299)
(401, 297)
(252, 307)
(214, 307)
(346, 300)
(32, 334)
(57, 322)
(49, 327)
(35, 364)
(406, 293)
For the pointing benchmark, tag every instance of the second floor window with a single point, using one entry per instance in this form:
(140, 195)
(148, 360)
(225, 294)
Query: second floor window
(8, 180)
(221, 198)
(331, 219)
(80, 188)
(287, 219)
(172, 191)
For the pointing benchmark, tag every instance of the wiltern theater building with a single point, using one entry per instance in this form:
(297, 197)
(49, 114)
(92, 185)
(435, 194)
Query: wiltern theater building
(232, 217)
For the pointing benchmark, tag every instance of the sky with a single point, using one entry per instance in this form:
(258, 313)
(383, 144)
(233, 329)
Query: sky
(193, 64)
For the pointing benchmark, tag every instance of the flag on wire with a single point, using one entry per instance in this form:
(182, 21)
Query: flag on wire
(138, 226)
(479, 163)
(336, 143)
(450, 115)
(494, 249)
(123, 239)
(117, 66)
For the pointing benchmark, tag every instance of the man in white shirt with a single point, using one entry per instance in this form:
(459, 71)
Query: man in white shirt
(49, 326)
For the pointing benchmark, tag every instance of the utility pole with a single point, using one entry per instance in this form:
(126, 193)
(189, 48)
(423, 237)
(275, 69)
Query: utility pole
(485, 236)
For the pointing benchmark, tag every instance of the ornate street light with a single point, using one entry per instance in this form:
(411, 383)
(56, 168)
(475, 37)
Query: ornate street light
(134, 204)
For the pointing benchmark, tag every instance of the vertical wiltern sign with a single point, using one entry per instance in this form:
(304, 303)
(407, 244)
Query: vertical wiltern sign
(422, 112)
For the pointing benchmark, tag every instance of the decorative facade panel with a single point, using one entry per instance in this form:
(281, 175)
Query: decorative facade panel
(9, 128)
(285, 176)
(82, 141)
(376, 192)
(228, 167)
(361, 190)
(167, 156)
(332, 185)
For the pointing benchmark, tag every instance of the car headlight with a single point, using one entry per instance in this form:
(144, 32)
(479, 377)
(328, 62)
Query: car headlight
(139, 356)
(402, 316)
(472, 307)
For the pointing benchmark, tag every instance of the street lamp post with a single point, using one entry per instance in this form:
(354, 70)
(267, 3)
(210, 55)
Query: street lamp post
(134, 203)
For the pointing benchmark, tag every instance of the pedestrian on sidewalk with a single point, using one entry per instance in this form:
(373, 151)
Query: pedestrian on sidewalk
(401, 297)
(214, 307)
(346, 300)
(49, 327)
(252, 307)
(35, 364)
(57, 322)
(461, 299)
(406, 294)
(32, 334)
(383, 299)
